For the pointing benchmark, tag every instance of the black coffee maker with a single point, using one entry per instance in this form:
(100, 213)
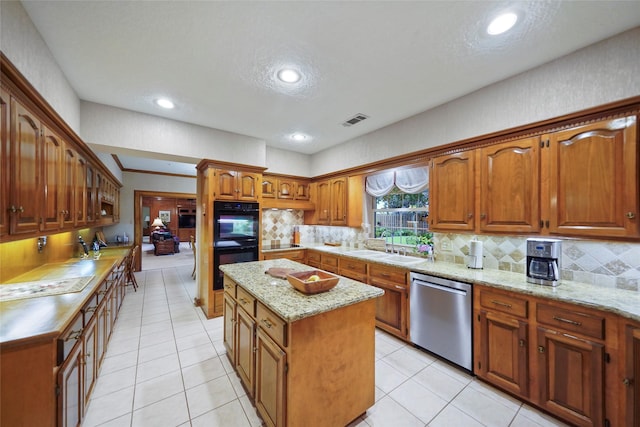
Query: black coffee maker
(543, 261)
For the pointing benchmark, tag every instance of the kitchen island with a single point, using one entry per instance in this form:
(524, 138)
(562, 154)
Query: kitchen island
(304, 359)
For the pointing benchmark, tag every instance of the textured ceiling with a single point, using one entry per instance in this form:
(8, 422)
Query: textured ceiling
(387, 60)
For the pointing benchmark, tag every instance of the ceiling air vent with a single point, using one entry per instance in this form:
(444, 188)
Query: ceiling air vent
(355, 119)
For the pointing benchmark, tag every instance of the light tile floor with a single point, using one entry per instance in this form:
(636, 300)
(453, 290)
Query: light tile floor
(166, 366)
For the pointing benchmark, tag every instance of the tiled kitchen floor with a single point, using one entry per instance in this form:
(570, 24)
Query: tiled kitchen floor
(165, 366)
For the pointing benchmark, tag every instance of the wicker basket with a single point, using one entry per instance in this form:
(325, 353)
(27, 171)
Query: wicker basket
(299, 280)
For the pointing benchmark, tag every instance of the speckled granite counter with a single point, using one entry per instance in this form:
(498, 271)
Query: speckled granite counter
(44, 317)
(288, 303)
(622, 302)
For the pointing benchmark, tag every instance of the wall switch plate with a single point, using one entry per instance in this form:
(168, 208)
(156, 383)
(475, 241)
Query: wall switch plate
(445, 244)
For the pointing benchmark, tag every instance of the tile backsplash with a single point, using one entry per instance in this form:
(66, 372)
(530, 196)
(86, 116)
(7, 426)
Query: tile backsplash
(606, 264)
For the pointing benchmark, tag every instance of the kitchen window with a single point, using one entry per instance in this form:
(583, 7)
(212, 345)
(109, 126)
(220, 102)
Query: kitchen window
(400, 204)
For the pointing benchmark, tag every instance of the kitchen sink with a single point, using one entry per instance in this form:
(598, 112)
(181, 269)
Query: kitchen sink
(400, 259)
(367, 253)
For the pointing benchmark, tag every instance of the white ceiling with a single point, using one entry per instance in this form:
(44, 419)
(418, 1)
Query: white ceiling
(386, 59)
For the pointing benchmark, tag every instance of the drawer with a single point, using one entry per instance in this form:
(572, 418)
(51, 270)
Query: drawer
(246, 301)
(329, 260)
(571, 320)
(69, 338)
(230, 287)
(395, 275)
(496, 301)
(272, 325)
(296, 255)
(353, 265)
(313, 257)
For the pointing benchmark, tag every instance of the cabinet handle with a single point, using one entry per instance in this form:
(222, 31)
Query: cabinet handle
(74, 335)
(399, 287)
(503, 304)
(469, 215)
(244, 301)
(483, 215)
(571, 322)
(385, 275)
(12, 209)
(540, 349)
(627, 382)
(267, 323)
(631, 215)
(521, 343)
(91, 309)
(88, 355)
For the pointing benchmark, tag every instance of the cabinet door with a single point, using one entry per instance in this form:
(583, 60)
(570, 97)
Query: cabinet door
(391, 308)
(269, 188)
(4, 162)
(593, 182)
(52, 162)
(71, 397)
(89, 369)
(229, 338)
(270, 380)
(226, 187)
(338, 211)
(503, 352)
(323, 202)
(245, 340)
(286, 189)
(68, 189)
(303, 191)
(452, 192)
(510, 187)
(25, 153)
(92, 206)
(631, 379)
(248, 186)
(80, 192)
(571, 372)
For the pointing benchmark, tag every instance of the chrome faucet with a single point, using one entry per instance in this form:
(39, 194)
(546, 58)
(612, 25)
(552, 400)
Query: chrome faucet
(387, 233)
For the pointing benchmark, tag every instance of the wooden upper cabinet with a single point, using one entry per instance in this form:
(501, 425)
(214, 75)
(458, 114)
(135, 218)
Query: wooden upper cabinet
(593, 180)
(92, 195)
(510, 187)
(24, 205)
(52, 161)
(80, 192)
(323, 204)
(269, 187)
(286, 189)
(68, 186)
(452, 192)
(235, 185)
(303, 190)
(338, 211)
(5, 121)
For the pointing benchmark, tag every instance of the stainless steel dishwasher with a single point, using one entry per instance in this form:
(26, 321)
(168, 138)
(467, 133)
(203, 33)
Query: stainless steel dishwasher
(440, 317)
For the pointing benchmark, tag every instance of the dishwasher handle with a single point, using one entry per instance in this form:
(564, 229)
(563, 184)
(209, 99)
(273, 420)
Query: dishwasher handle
(440, 287)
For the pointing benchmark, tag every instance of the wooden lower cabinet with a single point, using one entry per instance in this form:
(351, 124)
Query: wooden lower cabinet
(245, 347)
(571, 372)
(502, 351)
(558, 356)
(71, 397)
(270, 380)
(391, 308)
(229, 332)
(630, 382)
(299, 255)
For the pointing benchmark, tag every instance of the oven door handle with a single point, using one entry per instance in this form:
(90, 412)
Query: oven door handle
(440, 287)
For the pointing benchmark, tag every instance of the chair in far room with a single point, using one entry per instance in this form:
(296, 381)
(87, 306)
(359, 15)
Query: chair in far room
(130, 278)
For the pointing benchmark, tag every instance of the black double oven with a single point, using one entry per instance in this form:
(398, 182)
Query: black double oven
(235, 235)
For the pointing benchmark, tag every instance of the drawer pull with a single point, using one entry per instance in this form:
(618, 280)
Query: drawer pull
(399, 287)
(571, 322)
(503, 304)
(244, 301)
(385, 275)
(540, 349)
(267, 323)
(627, 382)
(74, 335)
(91, 309)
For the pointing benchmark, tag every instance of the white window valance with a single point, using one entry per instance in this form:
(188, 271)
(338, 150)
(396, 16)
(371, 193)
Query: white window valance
(412, 181)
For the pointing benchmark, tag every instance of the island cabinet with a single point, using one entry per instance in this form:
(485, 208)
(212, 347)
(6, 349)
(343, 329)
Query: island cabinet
(630, 378)
(312, 369)
(553, 354)
(392, 309)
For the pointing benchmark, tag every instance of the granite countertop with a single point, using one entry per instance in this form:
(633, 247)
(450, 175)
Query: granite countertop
(45, 317)
(291, 305)
(622, 302)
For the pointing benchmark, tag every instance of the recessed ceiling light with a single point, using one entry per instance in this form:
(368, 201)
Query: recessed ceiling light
(502, 23)
(165, 103)
(298, 137)
(288, 75)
